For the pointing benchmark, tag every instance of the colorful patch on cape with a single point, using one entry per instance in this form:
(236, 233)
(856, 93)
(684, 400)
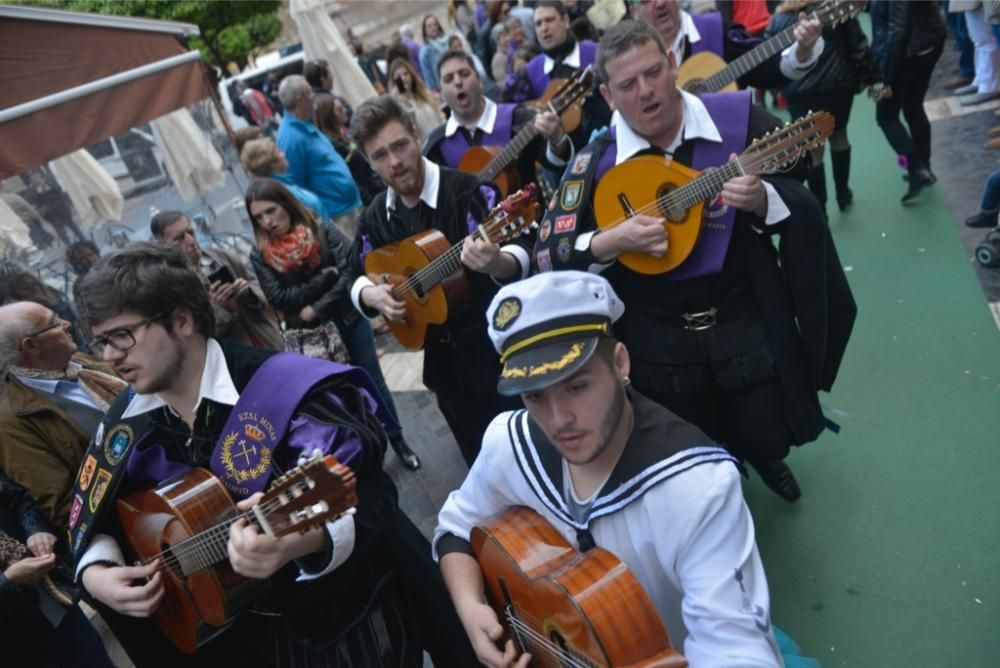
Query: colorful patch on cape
(580, 163)
(571, 193)
(87, 472)
(544, 231)
(565, 224)
(564, 250)
(74, 511)
(78, 538)
(100, 488)
(544, 260)
(507, 312)
(117, 442)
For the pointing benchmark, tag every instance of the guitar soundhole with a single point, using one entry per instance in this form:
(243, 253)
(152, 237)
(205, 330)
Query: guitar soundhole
(673, 215)
(415, 286)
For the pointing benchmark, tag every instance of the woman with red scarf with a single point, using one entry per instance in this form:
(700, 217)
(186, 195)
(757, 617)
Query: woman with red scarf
(301, 268)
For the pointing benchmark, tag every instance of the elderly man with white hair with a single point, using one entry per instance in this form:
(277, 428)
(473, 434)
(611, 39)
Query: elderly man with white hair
(313, 162)
(52, 400)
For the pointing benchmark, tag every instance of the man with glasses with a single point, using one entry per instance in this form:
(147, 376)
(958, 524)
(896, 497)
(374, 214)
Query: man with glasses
(460, 365)
(340, 595)
(53, 399)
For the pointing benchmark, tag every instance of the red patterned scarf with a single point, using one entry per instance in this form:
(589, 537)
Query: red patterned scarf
(292, 252)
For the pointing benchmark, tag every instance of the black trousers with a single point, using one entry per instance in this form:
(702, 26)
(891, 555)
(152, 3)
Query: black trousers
(908, 91)
(469, 416)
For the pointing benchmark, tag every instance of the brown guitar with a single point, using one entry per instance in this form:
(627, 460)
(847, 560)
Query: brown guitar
(491, 163)
(565, 607)
(655, 186)
(427, 274)
(184, 522)
(706, 72)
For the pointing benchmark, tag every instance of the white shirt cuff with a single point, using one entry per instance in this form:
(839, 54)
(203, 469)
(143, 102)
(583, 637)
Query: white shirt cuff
(102, 548)
(792, 68)
(523, 259)
(360, 284)
(341, 532)
(555, 159)
(777, 211)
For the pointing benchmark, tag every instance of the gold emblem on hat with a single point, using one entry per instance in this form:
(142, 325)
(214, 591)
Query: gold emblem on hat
(568, 358)
(506, 313)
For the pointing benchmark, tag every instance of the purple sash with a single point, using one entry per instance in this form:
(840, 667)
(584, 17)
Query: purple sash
(455, 146)
(731, 113)
(536, 68)
(710, 28)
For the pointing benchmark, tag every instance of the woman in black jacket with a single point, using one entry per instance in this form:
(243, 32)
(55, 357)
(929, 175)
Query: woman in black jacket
(908, 38)
(846, 65)
(301, 266)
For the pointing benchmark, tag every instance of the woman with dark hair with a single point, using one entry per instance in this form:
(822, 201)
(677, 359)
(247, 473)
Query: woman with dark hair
(435, 44)
(302, 267)
(332, 119)
(407, 88)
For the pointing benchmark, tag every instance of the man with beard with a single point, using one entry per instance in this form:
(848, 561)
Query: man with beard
(478, 121)
(686, 34)
(607, 467)
(732, 340)
(346, 594)
(459, 363)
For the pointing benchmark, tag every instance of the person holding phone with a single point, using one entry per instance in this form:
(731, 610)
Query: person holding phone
(242, 313)
(409, 90)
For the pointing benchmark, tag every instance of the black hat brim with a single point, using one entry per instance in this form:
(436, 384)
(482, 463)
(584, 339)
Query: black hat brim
(538, 368)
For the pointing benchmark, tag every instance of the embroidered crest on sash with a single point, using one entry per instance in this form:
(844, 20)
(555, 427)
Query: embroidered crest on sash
(544, 231)
(580, 163)
(565, 224)
(571, 192)
(74, 513)
(117, 442)
(564, 249)
(87, 472)
(246, 452)
(80, 533)
(544, 260)
(100, 487)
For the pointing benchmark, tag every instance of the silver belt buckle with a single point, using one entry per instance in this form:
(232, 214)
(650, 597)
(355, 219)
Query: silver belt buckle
(698, 322)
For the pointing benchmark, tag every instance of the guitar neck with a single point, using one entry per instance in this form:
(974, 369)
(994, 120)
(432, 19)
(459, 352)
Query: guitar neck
(509, 154)
(750, 60)
(202, 550)
(706, 187)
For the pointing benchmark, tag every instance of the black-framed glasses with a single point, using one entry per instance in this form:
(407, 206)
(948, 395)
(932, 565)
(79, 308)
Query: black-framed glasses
(56, 322)
(120, 339)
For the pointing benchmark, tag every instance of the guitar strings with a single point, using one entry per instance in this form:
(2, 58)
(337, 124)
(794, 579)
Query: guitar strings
(525, 615)
(545, 644)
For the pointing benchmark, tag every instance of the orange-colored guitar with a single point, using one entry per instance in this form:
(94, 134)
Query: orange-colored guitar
(428, 276)
(705, 72)
(184, 522)
(656, 186)
(565, 607)
(491, 163)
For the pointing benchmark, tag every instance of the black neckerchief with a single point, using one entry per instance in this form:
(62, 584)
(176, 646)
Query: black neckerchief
(557, 53)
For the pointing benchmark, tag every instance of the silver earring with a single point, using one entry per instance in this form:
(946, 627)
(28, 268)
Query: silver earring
(626, 381)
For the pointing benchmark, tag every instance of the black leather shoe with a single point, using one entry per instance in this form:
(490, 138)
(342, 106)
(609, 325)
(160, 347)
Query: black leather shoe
(982, 219)
(403, 451)
(919, 179)
(778, 477)
(845, 199)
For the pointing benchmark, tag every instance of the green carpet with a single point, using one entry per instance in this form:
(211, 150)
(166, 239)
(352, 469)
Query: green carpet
(891, 556)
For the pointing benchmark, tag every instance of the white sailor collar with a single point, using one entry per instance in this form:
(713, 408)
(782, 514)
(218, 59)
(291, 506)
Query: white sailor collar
(485, 123)
(697, 124)
(429, 194)
(573, 59)
(216, 385)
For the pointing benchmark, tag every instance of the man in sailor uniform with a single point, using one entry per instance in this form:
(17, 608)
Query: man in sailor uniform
(608, 468)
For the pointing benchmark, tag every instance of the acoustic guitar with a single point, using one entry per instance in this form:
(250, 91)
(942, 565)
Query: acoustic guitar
(657, 186)
(428, 276)
(184, 523)
(490, 163)
(565, 607)
(706, 72)
(573, 115)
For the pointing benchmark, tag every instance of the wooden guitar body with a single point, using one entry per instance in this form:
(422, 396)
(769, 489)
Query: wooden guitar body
(697, 68)
(396, 262)
(642, 181)
(199, 605)
(571, 118)
(477, 158)
(567, 607)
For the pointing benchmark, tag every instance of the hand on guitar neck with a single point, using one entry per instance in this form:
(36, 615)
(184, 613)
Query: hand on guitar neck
(807, 32)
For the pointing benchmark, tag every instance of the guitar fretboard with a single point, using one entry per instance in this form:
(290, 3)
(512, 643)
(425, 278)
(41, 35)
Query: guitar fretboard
(704, 188)
(509, 154)
(749, 61)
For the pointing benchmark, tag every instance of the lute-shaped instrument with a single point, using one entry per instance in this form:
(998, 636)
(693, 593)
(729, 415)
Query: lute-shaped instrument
(656, 186)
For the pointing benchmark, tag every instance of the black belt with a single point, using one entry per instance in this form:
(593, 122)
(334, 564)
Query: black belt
(700, 321)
